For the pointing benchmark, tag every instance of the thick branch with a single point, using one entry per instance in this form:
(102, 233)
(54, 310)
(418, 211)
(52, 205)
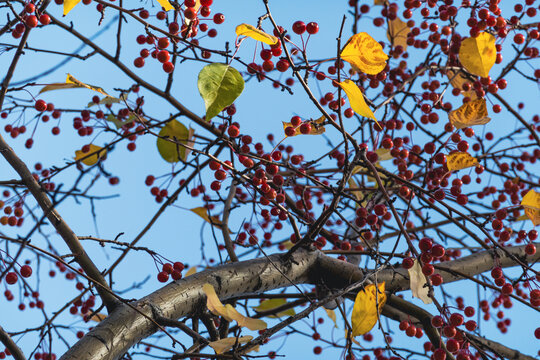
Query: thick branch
(8, 342)
(125, 327)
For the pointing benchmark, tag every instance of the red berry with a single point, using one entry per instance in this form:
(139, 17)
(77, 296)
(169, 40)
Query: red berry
(138, 62)
(233, 131)
(299, 27)
(219, 18)
(32, 21)
(312, 28)
(11, 278)
(163, 276)
(44, 19)
(26, 271)
(40, 105)
(168, 67)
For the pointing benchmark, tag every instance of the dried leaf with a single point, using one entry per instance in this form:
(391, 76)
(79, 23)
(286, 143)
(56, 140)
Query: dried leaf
(384, 154)
(379, 2)
(356, 99)
(316, 127)
(165, 4)
(69, 5)
(460, 160)
(397, 33)
(228, 312)
(109, 100)
(271, 304)
(332, 315)
(254, 33)
(91, 157)
(222, 345)
(364, 54)
(72, 83)
(203, 212)
(457, 80)
(478, 54)
(96, 317)
(191, 271)
(367, 308)
(353, 185)
(171, 151)
(531, 204)
(471, 113)
(419, 283)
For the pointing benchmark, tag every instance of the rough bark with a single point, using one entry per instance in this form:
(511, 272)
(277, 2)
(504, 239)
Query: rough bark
(126, 326)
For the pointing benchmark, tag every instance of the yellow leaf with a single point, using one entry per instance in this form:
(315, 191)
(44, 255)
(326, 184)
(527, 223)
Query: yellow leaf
(478, 54)
(418, 283)
(203, 212)
(169, 150)
(228, 312)
(316, 127)
(332, 315)
(353, 185)
(379, 2)
(364, 54)
(96, 317)
(367, 308)
(471, 113)
(165, 4)
(72, 83)
(271, 304)
(460, 160)
(288, 244)
(458, 79)
(384, 154)
(356, 99)
(397, 33)
(69, 5)
(222, 345)
(531, 204)
(96, 153)
(191, 271)
(254, 33)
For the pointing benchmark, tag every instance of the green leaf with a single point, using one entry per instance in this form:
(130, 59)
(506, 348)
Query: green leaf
(117, 122)
(169, 151)
(219, 85)
(271, 304)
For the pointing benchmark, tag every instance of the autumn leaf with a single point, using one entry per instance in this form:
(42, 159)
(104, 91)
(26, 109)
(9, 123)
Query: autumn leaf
(379, 2)
(169, 150)
(460, 160)
(332, 315)
(219, 85)
(222, 345)
(478, 54)
(457, 80)
(471, 113)
(92, 156)
(531, 205)
(69, 5)
(367, 308)
(228, 311)
(271, 304)
(165, 4)
(397, 33)
(191, 271)
(109, 100)
(418, 283)
(254, 33)
(356, 99)
(316, 127)
(72, 83)
(203, 212)
(364, 54)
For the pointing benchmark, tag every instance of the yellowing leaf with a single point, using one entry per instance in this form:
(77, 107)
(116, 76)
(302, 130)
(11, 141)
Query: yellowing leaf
(222, 345)
(109, 100)
(353, 185)
(418, 283)
(332, 315)
(72, 83)
(316, 127)
(384, 154)
(92, 156)
(460, 160)
(171, 151)
(458, 79)
(96, 317)
(165, 4)
(364, 54)
(271, 304)
(478, 54)
(356, 99)
(288, 244)
(531, 204)
(471, 113)
(69, 5)
(228, 312)
(254, 33)
(397, 33)
(367, 308)
(379, 2)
